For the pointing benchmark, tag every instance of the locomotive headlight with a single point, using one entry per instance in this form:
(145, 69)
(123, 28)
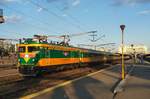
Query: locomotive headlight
(33, 60)
(26, 56)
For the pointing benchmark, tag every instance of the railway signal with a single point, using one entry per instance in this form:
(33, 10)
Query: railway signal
(122, 27)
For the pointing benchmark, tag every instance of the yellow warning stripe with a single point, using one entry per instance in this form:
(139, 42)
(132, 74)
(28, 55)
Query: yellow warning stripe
(56, 47)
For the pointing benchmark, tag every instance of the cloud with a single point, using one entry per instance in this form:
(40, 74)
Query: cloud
(50, 1)
(8, 1)
(129, 2)
(65, 4)
(13, 19)
(75, 2)
(144, 12)
(40, 9)
(64, 15)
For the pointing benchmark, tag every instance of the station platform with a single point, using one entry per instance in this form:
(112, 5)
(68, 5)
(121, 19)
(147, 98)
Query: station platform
(100, 85)
(138, 84)
(94, 86)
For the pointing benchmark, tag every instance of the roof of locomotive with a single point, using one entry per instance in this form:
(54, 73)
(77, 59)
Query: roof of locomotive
(32, 42)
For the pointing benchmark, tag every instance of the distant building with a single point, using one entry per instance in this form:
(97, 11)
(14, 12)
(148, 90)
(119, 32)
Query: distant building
(103, 49)
(128, 49)
(6, 45)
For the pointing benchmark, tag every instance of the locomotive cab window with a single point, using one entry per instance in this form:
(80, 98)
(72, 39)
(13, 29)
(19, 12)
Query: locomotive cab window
(22, 49)
(33, 48)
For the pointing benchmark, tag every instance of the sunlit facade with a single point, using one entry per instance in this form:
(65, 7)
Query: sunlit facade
(133, 49)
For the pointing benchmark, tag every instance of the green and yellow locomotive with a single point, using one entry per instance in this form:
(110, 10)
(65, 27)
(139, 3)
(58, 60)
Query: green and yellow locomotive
(36, 55)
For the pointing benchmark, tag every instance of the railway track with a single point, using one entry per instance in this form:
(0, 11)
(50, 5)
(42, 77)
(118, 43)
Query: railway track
(7, 67)
(10, 78)
(30, 85)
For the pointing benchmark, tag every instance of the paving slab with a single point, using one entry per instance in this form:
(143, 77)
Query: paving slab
(138, 84)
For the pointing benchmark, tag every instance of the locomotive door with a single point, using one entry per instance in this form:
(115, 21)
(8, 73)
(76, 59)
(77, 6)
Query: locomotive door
(80, 57)
(46, 55)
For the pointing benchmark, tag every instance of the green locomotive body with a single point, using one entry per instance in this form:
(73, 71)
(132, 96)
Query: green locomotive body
(37, 56)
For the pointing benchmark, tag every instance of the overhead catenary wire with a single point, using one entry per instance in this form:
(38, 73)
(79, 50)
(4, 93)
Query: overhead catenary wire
(73, 18)
(91, 4)
(31, 17)
(21, 34)
(56, 15)
(10, 32)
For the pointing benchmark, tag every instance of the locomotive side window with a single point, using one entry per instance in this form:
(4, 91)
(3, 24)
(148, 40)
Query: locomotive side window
(33, 48)
(22, 49)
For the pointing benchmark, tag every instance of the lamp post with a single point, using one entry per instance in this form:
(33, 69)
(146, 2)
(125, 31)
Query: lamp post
(133, 53)
(122, 27)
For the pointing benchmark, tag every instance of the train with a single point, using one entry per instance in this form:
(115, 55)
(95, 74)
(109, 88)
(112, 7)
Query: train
(37, 55)
(146, 57)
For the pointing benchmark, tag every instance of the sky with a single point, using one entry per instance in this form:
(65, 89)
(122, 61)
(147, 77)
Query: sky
(24, 18)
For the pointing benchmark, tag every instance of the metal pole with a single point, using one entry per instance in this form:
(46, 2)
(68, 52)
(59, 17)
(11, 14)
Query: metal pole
(132, 53)
(95, 47)
(134, 56)
(123, 66)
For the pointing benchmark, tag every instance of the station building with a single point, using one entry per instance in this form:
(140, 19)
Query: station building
(130, 49)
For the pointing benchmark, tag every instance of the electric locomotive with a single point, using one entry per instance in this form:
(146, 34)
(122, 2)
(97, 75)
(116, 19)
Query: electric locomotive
(37, 55)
